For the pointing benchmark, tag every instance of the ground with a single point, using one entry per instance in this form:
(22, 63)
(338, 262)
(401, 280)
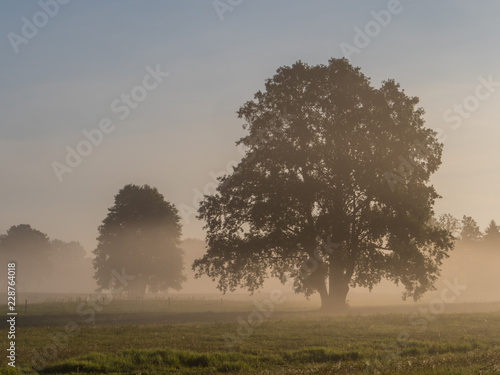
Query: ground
(207, 337)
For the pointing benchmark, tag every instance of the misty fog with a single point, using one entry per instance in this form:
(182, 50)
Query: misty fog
(67, 272)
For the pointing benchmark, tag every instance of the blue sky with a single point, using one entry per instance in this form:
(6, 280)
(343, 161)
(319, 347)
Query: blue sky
(65, 78)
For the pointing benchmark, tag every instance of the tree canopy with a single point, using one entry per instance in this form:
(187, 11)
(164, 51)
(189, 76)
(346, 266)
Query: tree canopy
(141, 235)
(337, 172)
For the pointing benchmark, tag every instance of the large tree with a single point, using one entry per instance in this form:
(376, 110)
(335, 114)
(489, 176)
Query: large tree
(330, 160)
(140, 235)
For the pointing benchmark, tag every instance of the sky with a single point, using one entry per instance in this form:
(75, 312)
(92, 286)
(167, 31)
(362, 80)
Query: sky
(164, 79)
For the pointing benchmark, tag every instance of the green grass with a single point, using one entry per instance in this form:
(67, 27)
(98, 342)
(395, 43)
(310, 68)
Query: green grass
(175, 361)
(284, 343)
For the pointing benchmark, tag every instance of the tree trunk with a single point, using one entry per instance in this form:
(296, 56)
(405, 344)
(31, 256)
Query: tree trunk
(335, 300)
(338, 287)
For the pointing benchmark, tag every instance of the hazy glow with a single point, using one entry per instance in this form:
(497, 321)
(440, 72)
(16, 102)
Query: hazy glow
(66, 77)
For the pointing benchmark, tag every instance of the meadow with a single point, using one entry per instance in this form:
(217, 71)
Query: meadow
(233, 337)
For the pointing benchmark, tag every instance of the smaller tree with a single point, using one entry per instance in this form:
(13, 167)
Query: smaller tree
(492, 234)
(140, 234)
(470, 230)
(30, 249)
(67, 252)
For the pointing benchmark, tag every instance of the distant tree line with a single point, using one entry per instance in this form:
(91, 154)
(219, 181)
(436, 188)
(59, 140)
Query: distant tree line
(42, 263)
(139, 237)
(144, 237)
(474, 261)
(468, 234)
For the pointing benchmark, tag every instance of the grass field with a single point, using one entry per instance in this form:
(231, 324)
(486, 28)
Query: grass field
(205, 337)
